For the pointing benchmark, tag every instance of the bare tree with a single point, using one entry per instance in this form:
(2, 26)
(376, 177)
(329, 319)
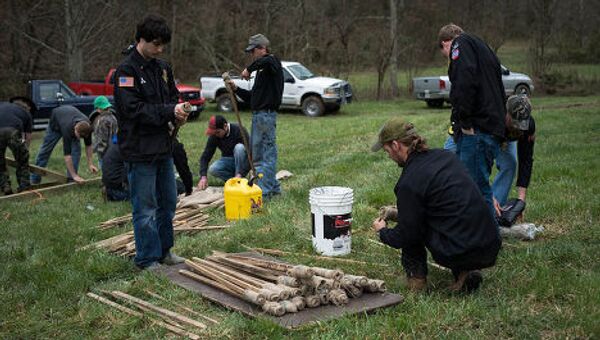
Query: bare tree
(543, 16)
(394, 43)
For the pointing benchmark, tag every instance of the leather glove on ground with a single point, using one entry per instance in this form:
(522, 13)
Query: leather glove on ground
(388, 213)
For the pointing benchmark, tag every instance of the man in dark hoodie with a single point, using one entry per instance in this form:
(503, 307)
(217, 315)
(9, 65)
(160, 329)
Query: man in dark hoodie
(477, 96)
(439, 208)
(264, 99)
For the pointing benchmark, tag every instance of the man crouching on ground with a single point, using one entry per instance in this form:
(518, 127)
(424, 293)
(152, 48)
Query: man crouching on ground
(440, 208)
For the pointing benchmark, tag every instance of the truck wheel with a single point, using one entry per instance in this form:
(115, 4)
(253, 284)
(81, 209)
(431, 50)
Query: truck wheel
(523, 89)
(435, 103)
(313, 106)
(224, 103)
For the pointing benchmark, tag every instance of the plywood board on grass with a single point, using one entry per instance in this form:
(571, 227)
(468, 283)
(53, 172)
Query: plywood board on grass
(368, 302)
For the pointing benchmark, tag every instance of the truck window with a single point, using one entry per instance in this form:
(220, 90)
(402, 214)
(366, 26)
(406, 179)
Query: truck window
(48, 92)
(67, 92)
(287, 76)
(301, 72)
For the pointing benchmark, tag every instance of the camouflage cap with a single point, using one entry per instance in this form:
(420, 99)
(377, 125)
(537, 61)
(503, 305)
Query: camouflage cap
(519, 109)
(255, 41)
(395, 128)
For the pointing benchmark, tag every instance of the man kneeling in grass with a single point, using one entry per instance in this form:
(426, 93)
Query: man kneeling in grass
(440, 208)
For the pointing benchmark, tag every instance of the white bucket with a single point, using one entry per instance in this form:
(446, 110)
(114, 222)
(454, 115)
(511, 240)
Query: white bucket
(331, 210)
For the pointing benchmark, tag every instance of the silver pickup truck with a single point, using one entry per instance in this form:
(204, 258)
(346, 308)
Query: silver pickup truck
(436, 90)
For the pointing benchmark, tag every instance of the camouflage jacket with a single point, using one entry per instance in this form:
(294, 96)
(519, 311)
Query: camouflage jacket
(105, 127)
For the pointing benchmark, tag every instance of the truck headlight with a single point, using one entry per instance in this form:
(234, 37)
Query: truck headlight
(331, 90)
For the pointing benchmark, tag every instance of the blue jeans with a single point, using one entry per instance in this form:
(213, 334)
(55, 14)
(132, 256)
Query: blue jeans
(227, 167)
(50, 139)
(153, 199)
(506, 162)
(477, 152)
(450, 145)
(264, 151)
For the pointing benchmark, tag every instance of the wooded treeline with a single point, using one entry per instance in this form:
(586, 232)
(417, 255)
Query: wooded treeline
(79, 40)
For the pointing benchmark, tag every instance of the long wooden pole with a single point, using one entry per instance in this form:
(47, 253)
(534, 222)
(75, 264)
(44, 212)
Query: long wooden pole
(277, 252)
(209, 282)
(187, 309)
(129, 311)
(159, 310)
(247, 278)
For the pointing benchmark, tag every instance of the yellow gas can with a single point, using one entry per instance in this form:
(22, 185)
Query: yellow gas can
(241, 199)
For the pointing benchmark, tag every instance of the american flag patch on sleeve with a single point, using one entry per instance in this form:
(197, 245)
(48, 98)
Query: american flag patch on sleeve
(125, 81)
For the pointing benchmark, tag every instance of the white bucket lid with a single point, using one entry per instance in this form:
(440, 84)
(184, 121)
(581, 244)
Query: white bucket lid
(330, 192)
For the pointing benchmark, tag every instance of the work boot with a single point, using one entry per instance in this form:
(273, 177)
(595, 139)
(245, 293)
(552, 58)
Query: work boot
(172, 259)
(23, 188)
(416, 284)
(154, 266)
(467, 281)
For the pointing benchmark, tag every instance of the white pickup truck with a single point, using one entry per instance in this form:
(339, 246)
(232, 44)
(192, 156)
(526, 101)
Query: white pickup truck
(301, 90)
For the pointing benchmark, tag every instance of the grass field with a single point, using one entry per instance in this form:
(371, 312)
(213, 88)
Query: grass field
(548, 288)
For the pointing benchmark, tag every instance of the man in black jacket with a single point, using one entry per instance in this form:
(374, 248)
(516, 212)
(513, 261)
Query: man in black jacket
(148, 114)
(264, 100)
(439, 208)
(114, 175)
(227, 137)
(15, 134)
(477, 96)
(520, 130)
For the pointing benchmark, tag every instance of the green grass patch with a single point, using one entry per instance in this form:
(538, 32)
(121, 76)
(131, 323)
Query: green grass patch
(548, 288)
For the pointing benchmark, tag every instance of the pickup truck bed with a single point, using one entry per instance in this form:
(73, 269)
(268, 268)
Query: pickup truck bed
(49, 94)
(105, 87)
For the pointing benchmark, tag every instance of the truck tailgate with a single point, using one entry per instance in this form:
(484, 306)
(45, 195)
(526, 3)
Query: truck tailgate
(431, 87)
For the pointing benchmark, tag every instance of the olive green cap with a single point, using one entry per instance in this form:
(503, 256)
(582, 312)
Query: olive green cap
(395, 128)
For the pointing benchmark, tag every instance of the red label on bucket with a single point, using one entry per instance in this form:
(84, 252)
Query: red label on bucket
(334, 226)
(342, 222)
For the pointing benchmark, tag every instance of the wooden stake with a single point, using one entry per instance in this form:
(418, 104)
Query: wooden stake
(159, 310)
(247, 278)
(113, 304)
(208, 281)
(256, 271)
(129, 311)
(187, 309)
(277, 252)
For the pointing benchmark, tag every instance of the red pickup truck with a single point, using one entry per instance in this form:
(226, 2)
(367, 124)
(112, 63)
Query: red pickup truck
(96, 88)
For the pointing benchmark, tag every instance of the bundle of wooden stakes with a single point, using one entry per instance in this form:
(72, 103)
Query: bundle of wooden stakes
(188, 221)
(278, 287)
(174, 322)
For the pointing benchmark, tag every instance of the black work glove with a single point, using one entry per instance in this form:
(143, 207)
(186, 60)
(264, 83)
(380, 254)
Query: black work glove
(510, 211)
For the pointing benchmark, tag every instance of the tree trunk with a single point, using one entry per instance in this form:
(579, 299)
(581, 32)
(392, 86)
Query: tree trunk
(394, 44)
(74, 52)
